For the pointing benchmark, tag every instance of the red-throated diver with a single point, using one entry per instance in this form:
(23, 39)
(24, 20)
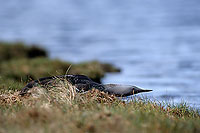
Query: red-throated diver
(83, 83)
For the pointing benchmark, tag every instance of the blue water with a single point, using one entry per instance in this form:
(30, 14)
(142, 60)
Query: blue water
(155, 43)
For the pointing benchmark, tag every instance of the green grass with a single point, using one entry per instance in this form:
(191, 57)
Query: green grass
(61, 109)
(23, 70)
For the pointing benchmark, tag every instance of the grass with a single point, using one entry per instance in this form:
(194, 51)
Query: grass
(60, 109)
(15, 73)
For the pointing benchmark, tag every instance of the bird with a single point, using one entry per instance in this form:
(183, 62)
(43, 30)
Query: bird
(83, 83)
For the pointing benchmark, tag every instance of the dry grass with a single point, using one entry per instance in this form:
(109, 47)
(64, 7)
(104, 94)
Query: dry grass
(58, 108)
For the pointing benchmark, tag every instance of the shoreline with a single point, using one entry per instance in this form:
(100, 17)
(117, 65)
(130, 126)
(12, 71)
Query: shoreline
(61, 109)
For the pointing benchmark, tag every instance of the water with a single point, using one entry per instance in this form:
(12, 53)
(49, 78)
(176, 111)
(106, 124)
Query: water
(155, 43)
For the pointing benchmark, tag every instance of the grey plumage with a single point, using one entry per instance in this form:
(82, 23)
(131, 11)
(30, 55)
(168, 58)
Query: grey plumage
(83, 83)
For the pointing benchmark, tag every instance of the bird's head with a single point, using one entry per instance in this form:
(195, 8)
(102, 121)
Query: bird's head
(123, 90)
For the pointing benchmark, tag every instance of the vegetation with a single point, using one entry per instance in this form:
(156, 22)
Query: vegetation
(18, 50)
(58, 108)
(20, 63)
(61, 109)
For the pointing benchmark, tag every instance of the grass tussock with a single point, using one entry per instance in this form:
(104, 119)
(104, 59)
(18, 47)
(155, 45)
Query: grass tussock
(58, 108)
